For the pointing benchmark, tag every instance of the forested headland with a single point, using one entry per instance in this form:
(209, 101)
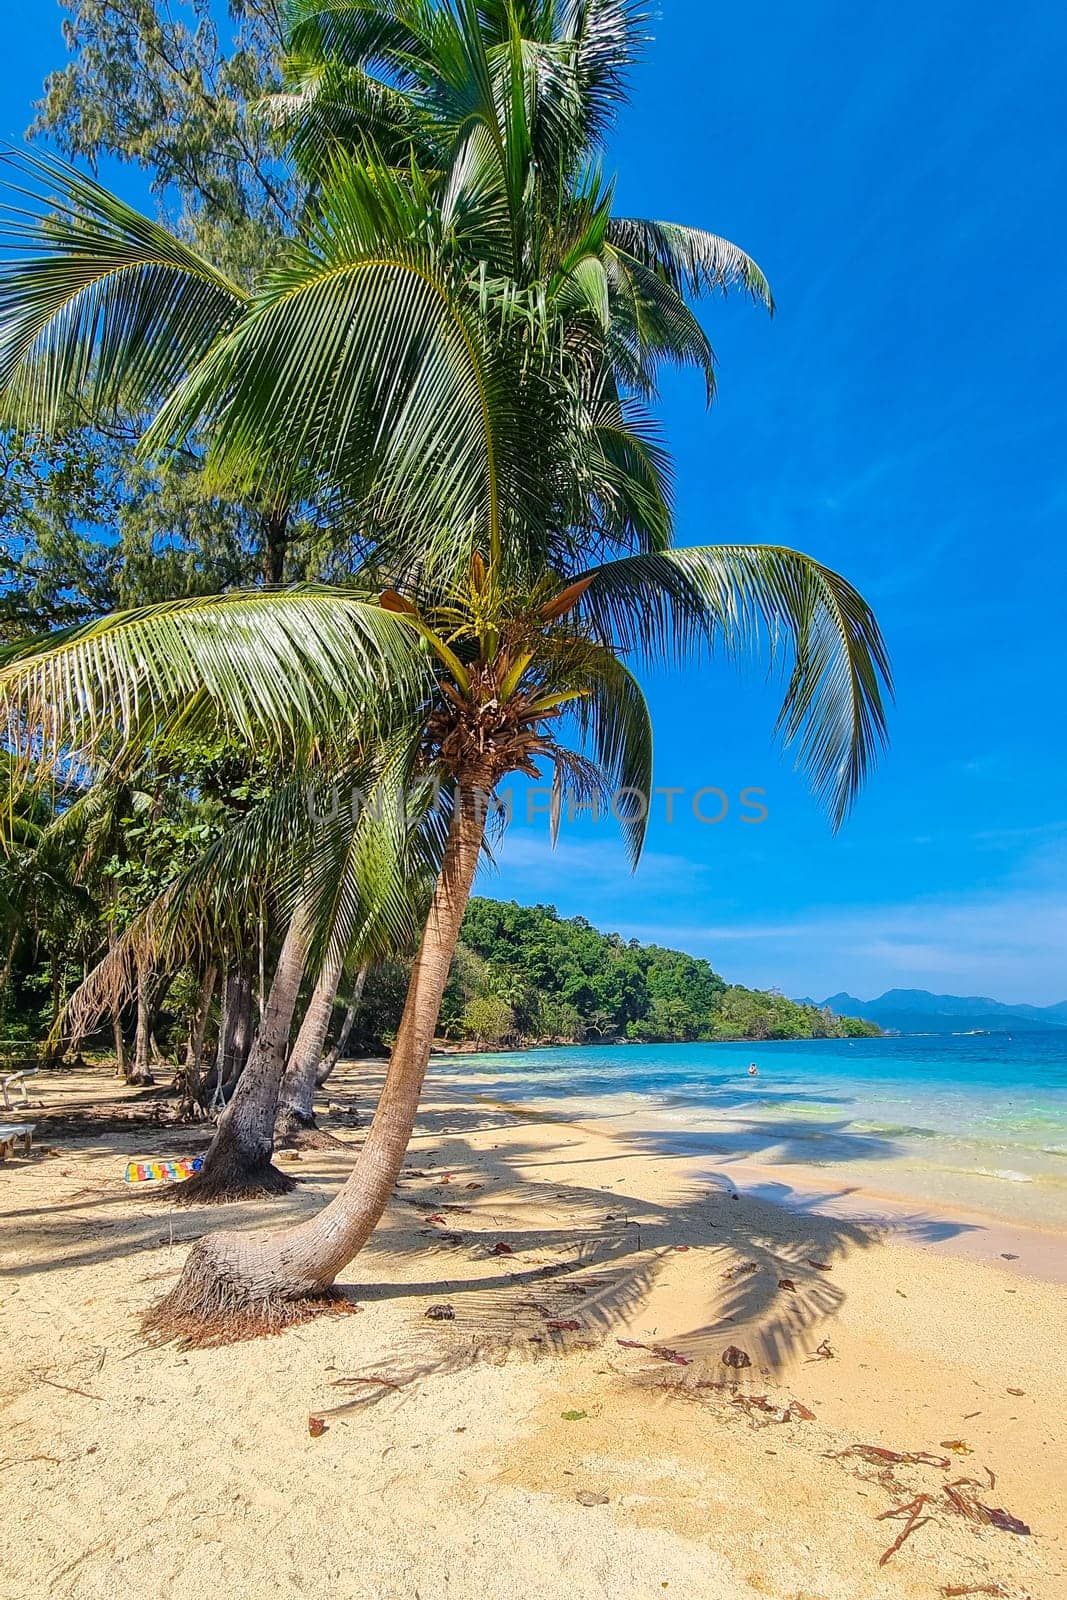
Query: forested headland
(525, 975)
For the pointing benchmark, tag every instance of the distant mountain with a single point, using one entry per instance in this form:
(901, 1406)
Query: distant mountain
(919, 1011)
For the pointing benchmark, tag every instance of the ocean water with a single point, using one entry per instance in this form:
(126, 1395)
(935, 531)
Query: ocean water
(968, 1120)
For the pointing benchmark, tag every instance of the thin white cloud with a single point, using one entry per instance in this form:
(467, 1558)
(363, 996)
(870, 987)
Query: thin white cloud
(1012, 945)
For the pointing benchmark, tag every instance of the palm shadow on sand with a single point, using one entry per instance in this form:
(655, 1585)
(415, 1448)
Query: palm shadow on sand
(543, 1254)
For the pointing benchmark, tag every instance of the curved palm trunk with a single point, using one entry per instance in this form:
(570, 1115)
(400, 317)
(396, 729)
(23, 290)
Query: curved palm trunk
(237, 1165)
(339, 1043)
(296, 1101)
(236, 1284)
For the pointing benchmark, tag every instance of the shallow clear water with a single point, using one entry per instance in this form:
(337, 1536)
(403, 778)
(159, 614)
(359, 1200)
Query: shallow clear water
(980, 1120)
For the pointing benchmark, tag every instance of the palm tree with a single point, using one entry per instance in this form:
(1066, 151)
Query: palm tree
(344, 1033)
(458, 354)
(506, 669)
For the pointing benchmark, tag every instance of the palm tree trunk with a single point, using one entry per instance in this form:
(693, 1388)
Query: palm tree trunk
(142, 1071)
(296, 1101)
(236, 1284)
(237, 1164)
(192, 1077)
(339, 1043)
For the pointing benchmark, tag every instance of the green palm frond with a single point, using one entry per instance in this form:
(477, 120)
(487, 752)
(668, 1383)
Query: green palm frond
(621, 465)
(613, 720)
(362, 364)
(329, 107)
(688, 259)
(654, 317)
(106, 306)
(275, 668)
(739, 596)
(391, 33)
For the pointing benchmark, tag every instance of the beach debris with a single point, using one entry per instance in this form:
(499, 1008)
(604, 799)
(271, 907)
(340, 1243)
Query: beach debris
(878, 1456)
(589, 1497)
(913, 1512)
(502, 1249)
(740, 1270)
(382, 1383)
(474, 1186)
(1016, 1391)
(823, 1352)
(1005, 1521)
(681, 1247)
(441, 1313)
(437, 1217)
(663, 1351)
(316, 1427)
(820, 1266)
(958, 1446)
(793, 1411)
(734, 1357)
(68, 1388)
(1008, 1255)
(574, 1416)
(788, 1284)
(564, 1324)
(967, 1504)
(956, 1589)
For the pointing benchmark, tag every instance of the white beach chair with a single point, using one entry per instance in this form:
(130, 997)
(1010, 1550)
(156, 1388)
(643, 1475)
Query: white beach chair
(10, 1135)
(19, 1078)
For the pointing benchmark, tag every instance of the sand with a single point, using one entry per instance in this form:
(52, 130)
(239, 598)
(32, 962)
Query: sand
(502, 1458)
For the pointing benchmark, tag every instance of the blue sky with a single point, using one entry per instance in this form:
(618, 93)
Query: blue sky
(899, 173)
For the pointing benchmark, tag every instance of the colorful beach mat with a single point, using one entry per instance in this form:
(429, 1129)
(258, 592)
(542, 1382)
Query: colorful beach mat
(163, 1171)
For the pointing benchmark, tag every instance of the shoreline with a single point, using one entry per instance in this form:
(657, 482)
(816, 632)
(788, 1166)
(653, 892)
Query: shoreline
(953, 1229)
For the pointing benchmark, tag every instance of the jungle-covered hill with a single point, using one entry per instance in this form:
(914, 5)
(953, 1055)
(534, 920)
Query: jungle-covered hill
(524, 973)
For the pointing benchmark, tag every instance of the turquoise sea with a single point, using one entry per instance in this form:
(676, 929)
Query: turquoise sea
(979, 1120)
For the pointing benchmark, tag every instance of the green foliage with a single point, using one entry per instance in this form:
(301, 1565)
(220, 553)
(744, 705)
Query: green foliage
(525, 970)
(164, 87)
(427, 363)
(488, 1020)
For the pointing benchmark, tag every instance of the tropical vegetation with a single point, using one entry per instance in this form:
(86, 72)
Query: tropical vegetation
(525, 975)
(445, 362)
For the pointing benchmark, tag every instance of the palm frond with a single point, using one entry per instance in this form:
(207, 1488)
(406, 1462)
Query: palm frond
(362, 364)
(613, 718)
(108, 306)
(276, 668)
(690, 260)
(739, 596)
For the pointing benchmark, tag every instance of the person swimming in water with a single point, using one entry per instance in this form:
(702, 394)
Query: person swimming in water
(753, 1070)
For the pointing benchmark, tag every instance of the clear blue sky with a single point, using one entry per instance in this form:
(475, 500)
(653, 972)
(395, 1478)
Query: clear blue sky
(900, 175)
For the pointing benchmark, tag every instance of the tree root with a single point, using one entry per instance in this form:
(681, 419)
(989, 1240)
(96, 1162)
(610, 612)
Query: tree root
(228, 1183)
(294, 1132)
(211, 1305)
(312, 1139)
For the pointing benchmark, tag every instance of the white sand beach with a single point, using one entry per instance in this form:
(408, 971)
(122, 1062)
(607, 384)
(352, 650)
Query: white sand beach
(573, 1429)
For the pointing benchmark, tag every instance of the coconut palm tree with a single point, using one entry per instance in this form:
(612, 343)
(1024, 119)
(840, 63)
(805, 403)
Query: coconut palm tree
(457, 354)
(512, 676)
